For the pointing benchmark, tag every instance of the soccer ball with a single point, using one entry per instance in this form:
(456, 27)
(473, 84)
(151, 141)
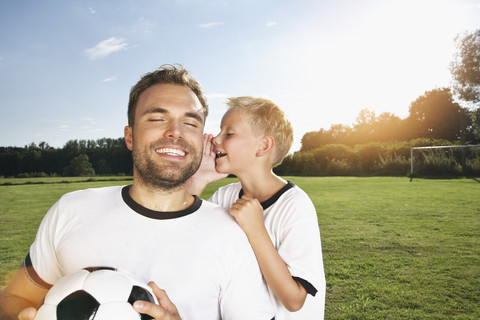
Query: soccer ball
(95, 293)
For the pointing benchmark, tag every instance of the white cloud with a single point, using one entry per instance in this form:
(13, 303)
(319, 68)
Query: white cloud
(111, 78)
(39, 135)
(210, 25)
(89, 120)
(92, 11)
(105, 48)
(96, 130)
(271, 23)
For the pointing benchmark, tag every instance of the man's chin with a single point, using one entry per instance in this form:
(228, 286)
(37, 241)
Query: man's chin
(169, 180)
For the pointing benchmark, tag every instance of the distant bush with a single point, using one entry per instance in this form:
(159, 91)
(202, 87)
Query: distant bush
(394, 165)
(368, 157)
(472, 167)
(32, 175)
(439, 163)
(338, 168)
(381, 158)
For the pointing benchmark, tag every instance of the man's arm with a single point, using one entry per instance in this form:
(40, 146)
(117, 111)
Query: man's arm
(20, 294)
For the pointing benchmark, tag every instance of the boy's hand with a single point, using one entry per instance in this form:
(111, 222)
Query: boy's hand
(206, 173)
(166, 310)
(249, 215)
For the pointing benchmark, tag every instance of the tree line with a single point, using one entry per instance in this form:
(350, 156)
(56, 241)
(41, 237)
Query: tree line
(380, 145)
(434, 115)
(372, 145)
(104, 156)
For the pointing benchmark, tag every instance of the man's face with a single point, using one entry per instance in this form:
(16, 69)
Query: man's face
(167, 137)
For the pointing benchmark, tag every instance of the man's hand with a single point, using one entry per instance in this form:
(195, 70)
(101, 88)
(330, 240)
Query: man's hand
(166, 310)
(27, 314)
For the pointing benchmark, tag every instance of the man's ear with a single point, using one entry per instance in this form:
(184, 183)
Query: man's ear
(128, 134)
(265, 146)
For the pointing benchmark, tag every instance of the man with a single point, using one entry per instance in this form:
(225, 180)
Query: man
(154, 228)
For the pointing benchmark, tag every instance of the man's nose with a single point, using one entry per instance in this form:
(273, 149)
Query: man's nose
(174, 130)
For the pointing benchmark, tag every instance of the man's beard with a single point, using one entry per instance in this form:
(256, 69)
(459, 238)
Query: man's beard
(170, 175)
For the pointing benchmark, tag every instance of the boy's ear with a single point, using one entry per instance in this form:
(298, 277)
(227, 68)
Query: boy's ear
(265, 146)
(128, 134)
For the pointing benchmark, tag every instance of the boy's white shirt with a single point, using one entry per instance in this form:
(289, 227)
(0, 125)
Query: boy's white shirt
(292, 224)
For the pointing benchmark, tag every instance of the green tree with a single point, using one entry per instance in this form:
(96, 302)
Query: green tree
(475, 124)
(436, 115)
(364, 128)
(465, 67)
(79, 166)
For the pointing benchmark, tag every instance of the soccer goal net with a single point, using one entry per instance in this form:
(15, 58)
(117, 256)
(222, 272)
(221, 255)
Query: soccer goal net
(442, 161)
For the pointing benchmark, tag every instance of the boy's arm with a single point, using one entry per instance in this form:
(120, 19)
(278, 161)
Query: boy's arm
(206, 173)
(19, 295)
(249, 215)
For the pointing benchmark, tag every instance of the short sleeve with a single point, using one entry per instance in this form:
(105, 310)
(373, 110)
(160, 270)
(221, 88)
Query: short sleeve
(299, 243)
(42, 252)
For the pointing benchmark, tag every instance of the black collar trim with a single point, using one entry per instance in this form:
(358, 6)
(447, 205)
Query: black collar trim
(267, 203)
(158, 215)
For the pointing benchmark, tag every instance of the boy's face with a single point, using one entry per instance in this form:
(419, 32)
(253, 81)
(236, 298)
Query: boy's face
(236, 145)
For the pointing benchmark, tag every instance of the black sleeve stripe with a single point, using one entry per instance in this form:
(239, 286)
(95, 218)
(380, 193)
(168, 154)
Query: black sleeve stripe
(307, 285)
(32, 274)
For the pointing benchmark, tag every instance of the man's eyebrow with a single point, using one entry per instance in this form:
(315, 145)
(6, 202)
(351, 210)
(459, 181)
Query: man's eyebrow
(155, 110)
(193, 115)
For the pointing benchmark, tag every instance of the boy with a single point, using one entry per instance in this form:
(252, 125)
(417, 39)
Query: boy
(278, 218)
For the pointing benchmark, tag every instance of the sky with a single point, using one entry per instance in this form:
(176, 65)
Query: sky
(66, 67)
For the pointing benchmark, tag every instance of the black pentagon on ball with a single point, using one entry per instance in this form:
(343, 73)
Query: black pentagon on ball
(93, 269)
(139, 293)
(79, 305)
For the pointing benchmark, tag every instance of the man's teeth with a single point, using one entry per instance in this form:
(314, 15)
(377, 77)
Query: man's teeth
(171, 151)
(220, 154)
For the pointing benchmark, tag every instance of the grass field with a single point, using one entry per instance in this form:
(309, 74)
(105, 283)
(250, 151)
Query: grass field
(393, 249)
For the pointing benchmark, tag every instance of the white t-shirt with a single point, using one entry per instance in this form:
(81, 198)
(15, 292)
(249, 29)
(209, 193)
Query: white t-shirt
(291, 221)
(199, 256)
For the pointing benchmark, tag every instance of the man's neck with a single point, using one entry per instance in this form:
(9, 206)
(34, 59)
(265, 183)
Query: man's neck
(158, 199)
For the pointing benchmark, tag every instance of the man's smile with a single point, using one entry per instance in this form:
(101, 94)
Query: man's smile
(171, 151)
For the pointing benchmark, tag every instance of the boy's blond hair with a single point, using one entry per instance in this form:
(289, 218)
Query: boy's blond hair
(266, 118)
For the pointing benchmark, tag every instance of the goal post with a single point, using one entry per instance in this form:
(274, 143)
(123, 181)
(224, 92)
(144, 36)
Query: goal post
(433, 148)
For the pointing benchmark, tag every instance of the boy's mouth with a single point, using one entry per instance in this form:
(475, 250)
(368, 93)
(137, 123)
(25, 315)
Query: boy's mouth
(220, 154)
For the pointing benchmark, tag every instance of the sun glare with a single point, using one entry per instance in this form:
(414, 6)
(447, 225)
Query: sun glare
(383, 58)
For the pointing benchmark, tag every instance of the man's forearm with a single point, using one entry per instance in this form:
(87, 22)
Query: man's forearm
(11, 306)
